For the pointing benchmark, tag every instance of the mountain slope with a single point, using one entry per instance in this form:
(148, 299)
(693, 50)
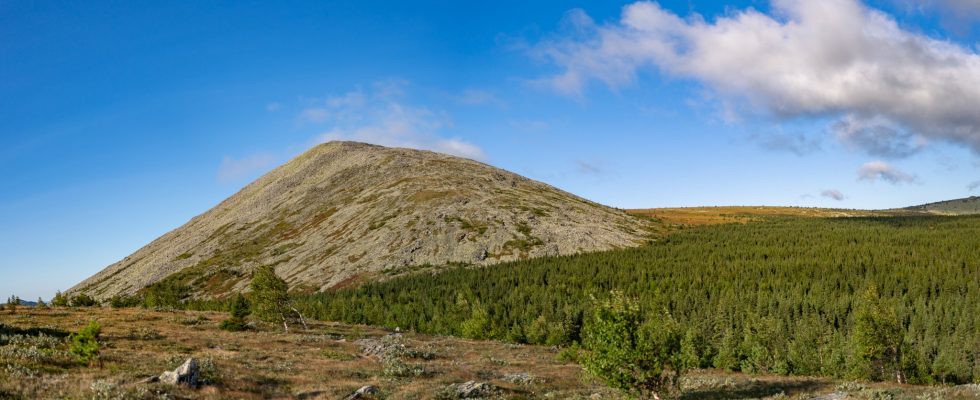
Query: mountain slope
(965, 206)
(344, 212)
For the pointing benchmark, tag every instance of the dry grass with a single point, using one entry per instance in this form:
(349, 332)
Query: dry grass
(694, 216)
(322, 362)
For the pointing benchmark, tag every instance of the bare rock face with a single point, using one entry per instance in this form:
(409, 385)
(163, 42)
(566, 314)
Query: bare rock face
(344, 213)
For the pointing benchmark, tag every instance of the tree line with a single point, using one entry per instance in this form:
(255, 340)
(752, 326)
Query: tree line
(881, 298)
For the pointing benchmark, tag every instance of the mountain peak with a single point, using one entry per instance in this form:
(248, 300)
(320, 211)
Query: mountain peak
(347, 212)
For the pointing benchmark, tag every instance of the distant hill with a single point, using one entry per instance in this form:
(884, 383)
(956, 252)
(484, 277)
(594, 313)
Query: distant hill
(965, 206)
(346, 212)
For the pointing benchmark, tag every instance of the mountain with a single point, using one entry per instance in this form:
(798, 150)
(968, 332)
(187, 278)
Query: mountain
(346, 212)
(965, 206)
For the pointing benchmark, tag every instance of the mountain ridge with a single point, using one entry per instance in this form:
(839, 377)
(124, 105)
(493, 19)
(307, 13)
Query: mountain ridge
(347, 211)
(963, 206)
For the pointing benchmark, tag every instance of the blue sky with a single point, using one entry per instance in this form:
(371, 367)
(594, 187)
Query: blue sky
(120, 121)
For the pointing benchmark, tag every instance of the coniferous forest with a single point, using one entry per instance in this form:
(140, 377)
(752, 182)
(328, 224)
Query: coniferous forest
(881, 298)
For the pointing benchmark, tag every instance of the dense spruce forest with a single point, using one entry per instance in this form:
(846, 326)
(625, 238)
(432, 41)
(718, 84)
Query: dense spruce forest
(888, 298)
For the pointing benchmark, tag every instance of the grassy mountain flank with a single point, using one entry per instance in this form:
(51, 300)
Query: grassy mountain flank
(965, 206)
(345, 212)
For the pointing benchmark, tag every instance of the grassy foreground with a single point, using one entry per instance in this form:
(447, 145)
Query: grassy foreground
(327, 362)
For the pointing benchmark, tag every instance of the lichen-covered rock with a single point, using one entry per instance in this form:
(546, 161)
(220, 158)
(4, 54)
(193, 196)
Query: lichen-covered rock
(471, 390)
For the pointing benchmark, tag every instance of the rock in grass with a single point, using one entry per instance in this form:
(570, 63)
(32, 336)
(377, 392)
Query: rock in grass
(365, 392)
(471, 390)
(187, 374)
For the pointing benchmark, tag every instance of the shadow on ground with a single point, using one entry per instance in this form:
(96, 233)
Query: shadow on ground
(13, 330)
(756, 389)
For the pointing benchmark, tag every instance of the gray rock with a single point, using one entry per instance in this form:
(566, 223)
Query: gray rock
(522, 378)
(473, 390)
(187, 374)
(364, 392)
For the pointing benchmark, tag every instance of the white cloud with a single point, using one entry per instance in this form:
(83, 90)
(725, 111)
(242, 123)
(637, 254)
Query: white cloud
(830, 58)
(232, 169)
(973, 186)
(273, 107)
(381, 116)
(875, 170)
(833, 194)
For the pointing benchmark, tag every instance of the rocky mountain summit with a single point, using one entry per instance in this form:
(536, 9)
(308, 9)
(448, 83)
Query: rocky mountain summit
(346, 212)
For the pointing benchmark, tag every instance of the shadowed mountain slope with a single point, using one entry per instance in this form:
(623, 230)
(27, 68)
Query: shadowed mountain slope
(345, 212)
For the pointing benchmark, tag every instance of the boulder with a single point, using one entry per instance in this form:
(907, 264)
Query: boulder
(473, 390)
(187, 374)
(522, 378)
(365, 392)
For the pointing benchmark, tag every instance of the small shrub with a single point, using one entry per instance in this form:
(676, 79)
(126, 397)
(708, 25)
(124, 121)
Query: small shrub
(239, 309)
(166, 294)
(120, 301)
(209, 373)
(396, 368)
(85, 343)
(12, 303)
(232, 325)
(569, 354)
(338, 356)
(83, 300)
(143, 333)
(59, 300)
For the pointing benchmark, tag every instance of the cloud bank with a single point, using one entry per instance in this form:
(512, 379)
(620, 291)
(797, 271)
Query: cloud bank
(381, 116)
(889, 90)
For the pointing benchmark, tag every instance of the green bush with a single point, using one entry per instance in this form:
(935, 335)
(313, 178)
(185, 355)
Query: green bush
(59, 300)
(166, 294)
(85, 343)
(12, 303)
(637, 356)
(238, 309)
(83, 300)
(270, 301)
(122, 301)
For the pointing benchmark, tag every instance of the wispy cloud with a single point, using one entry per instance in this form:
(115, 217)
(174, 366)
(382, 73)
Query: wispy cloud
(808, 59)
(876, 170)
(833, 194)
(273, 107)
(588, 168)
(955, 15)
(382, 116)
(474, 97)
(973, 186)
(795, 143)
(235, 169)
(877, 136)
